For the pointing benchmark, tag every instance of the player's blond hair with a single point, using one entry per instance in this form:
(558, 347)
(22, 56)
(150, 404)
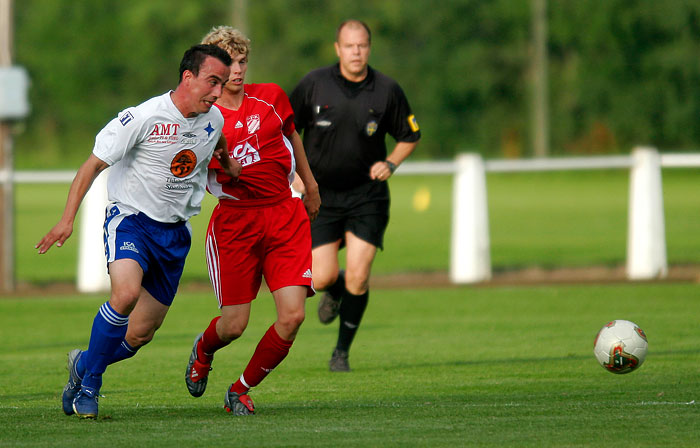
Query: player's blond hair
(228, 38)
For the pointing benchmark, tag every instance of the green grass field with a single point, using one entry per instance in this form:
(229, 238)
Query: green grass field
(554, 219)
(468, 366)
(455, 366)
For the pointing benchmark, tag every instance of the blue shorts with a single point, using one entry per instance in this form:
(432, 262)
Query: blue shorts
(160, 248)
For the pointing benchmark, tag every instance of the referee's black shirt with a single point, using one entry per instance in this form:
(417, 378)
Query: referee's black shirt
(344, 123)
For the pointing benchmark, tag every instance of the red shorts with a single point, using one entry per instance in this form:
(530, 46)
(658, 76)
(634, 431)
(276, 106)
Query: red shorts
(245, 243)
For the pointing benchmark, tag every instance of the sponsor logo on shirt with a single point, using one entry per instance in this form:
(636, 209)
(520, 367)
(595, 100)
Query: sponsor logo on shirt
(189, 138)
(238, 125)
(253, 122)
(126, 118)
(183, 163)
(209, 129)
(163, 133)
(173, 183)
(128, 245)
(246, 152)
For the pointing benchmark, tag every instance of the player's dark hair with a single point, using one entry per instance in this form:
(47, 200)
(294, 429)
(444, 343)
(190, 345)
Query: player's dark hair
(194, 57)
(353, 22)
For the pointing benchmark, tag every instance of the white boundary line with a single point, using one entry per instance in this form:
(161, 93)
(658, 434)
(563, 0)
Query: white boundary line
(671, 160)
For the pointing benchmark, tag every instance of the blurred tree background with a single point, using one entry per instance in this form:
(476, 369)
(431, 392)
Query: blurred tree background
(621, 72)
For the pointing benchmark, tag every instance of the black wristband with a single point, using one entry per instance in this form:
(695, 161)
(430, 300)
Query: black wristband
(391, 165)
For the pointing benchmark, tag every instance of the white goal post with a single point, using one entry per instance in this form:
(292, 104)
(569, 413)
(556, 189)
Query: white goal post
(470, 260)
(470, 254)
(92, 264)
(646, 235)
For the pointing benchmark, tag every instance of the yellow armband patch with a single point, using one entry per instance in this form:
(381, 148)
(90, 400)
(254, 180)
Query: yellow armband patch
(413, 123)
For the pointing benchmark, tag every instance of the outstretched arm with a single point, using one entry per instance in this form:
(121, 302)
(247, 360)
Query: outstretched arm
(81, 184)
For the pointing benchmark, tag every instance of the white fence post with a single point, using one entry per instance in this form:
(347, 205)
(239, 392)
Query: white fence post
(92, 264)
(470, 250)
(646, 239)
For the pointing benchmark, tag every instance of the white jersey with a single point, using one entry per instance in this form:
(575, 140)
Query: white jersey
(159, 158)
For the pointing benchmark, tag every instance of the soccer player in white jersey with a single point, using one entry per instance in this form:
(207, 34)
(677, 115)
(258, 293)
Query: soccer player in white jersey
(159, 152)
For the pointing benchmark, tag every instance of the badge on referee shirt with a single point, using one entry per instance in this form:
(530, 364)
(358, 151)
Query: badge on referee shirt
(371, 128)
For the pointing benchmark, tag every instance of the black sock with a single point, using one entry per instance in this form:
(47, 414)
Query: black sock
(351, 310)
(337, 289)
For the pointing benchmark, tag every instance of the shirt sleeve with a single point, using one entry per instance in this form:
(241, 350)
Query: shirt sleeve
(299, 100)
(403, 124)
(119, 136)
(284, 108)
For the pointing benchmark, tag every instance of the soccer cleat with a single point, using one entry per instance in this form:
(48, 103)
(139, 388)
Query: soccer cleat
(328, 308)
(85, 403)
(197, 372)
(238, 404)
(74, 382)
(329, 305)
(339, 361)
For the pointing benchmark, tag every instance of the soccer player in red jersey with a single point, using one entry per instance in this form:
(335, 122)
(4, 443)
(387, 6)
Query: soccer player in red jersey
(257, 229)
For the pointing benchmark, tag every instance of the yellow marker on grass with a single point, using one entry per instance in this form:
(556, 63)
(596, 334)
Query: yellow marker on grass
(421, 199)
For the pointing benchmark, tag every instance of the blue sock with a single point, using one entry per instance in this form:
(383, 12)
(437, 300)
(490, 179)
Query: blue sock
(108, 330)
(124, 351)
(80, 365)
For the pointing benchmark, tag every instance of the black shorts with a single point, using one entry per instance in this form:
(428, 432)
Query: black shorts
(363, 211)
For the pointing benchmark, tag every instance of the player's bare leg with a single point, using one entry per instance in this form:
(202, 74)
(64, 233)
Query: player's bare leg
(325, 265)
(145, 320)
(359, 258)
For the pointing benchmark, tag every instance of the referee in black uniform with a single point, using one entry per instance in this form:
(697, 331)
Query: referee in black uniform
(345, 112)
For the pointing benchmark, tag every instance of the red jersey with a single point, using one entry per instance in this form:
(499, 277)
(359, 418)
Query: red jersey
(257, 136)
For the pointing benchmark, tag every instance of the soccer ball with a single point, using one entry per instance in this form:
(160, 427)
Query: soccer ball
(620, 346)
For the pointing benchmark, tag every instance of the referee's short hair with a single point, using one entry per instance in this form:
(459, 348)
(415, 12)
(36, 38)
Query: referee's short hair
(194, 57)
(354, 23)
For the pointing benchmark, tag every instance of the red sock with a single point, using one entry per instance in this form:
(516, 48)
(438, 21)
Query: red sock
(210, 342)
(271, 350)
